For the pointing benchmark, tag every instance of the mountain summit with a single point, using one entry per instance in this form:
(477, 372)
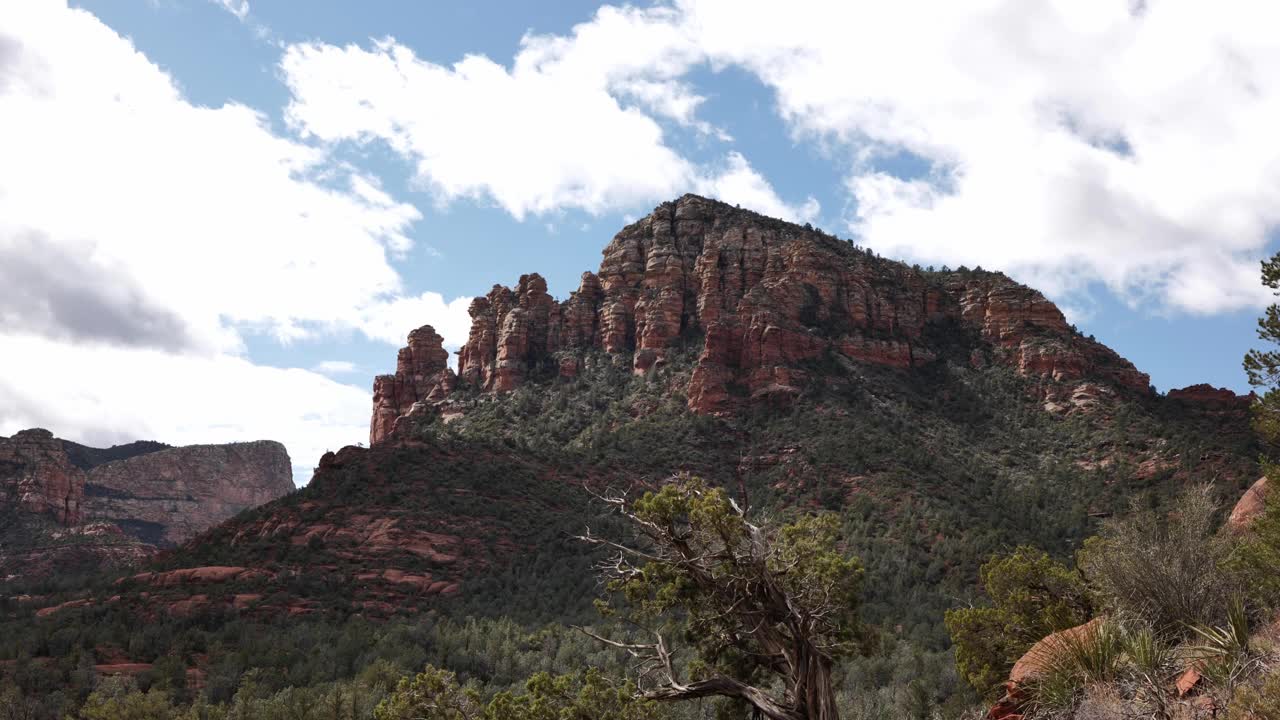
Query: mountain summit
(764, 301)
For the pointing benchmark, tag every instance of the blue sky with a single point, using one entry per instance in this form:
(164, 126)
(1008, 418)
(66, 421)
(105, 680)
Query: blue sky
(287, 189)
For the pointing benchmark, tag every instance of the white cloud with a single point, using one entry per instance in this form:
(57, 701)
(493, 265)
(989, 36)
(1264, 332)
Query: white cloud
(102, 395)
(335, 367)
(740, 184)
(142, 237)
(571, 124)
(212, 216)
(1071, 141)
(391, 321)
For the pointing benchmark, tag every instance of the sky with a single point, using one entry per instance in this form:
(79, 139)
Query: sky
(220, 218)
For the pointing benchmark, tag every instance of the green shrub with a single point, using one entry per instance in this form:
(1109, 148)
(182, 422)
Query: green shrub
(1033, 596)
(1162, 569)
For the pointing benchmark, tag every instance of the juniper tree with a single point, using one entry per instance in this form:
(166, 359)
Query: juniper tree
(765, 611)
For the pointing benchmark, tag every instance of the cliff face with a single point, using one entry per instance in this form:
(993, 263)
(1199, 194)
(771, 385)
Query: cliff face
(63, 512)
(38, 477)
(169, 496)
(766, 300)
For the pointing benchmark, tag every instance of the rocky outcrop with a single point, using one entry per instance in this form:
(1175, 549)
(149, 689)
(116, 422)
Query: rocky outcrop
(1250, 506)
(169, 496)
(512, 331)
(1034, 663)
(766, 301)
(422, 375)
(68, 511)
(37, 476)
(1212, 397)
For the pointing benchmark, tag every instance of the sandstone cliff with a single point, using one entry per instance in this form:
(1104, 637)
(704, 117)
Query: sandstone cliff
(169, 496)
(766, 301)
(39, 477)
(62, 511)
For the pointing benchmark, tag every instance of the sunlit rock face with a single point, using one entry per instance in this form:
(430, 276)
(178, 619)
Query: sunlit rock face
(766, 301)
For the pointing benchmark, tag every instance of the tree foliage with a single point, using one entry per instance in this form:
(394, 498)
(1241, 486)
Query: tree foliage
(1032, 595)
(435, 694)
(119, 699)
(1263, 366)
(762, 607)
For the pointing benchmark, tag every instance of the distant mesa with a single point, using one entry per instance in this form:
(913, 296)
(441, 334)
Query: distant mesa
(77, 506)
(763, 301)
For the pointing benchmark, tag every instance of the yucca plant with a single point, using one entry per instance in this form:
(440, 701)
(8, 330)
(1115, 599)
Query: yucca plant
(1151, 662)
(1223, 651)
(1075, 661)
(1096, 655)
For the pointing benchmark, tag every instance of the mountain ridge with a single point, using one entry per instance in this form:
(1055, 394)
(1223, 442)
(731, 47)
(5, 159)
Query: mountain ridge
(617, 384)
(766, 297)
(942, 417)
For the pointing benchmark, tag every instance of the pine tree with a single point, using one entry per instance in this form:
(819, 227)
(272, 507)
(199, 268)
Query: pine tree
(1263, 366)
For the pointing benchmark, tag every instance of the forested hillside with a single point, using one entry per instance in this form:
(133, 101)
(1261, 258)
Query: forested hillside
(940, 417)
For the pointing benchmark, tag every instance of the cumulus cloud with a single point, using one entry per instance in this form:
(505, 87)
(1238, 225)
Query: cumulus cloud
(1068, 142)
(47, 290)
(335, 367)
(223, 223)
(740, 184)
(573, 123)
(391, 321)
(142, 237)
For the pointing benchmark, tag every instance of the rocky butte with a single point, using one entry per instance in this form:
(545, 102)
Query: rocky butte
(68, 505)
(950, 410)
(765, 300)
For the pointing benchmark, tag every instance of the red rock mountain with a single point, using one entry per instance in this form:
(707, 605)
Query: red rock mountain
(766, 299)
(63, 508)
(945, 414)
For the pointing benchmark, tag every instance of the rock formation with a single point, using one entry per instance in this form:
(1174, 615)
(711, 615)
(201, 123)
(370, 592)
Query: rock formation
(765, 300)
(1250, 506)
(1212, 397)
(422, 374)
(64, 512)
(37, 476)
(1034, 663)
(169, 496)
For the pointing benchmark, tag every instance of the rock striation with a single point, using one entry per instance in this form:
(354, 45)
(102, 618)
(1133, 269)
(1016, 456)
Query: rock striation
(63, 512)
(166, 497)
(37, 476)
(764, 301)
